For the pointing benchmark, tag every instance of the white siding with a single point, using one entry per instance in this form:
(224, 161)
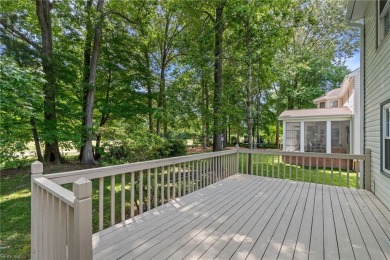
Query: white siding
(377, 90)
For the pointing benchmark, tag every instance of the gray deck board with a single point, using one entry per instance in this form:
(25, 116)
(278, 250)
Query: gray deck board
(331, 249)
(255, 217)
(274, 246)
(346, 250)
(290, 240)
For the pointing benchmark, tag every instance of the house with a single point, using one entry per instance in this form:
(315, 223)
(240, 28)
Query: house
(373, 19)
(332, 127)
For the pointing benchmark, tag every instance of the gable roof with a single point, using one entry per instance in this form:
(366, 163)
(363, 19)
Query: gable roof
(333, 94)
(339, 92)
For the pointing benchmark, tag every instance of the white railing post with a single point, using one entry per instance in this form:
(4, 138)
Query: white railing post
(82, 189)
(237, 157)
(36, 172)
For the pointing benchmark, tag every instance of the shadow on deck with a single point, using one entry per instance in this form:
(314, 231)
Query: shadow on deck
(252, 217)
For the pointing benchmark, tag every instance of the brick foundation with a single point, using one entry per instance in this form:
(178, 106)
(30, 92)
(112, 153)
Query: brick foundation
(327, 162)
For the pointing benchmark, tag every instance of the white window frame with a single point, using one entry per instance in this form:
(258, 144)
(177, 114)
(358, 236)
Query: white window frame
(385, 135)
(382, 19)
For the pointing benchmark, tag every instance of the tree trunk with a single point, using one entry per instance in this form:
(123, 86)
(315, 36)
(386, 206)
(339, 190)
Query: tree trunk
(86, 69)
(87, 155)
(36, 139)
(203, 110)
(164, 62)
(161, 100)
(207, 103)
(249, 108)
(52, 151)
(218, 49)
(149, 89)
(258, 116)
(249, 89)
(104, 117)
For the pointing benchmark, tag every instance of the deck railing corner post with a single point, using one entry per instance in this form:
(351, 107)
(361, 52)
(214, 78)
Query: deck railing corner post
(36, 172)
(367, 169)
(82, 189)
(36, 169)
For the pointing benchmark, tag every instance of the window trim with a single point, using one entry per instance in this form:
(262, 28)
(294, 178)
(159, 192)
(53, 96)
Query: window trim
(380, 35)
(383, 106)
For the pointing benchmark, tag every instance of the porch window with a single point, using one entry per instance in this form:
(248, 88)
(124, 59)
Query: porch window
(322, 104)
(292, 139)
(385, 143)
(315, 137)
(340, 137)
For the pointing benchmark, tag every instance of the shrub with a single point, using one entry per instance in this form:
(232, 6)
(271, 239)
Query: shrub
(142, 147)
(174, 147)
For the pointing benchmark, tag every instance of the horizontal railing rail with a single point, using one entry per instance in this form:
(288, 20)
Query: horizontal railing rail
(56, 190)
(68, 177)
(307, 154)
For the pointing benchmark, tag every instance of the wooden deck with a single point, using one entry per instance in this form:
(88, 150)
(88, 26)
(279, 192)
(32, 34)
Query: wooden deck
(251, 217)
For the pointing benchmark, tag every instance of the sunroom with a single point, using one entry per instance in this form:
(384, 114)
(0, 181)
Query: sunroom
(327, 130)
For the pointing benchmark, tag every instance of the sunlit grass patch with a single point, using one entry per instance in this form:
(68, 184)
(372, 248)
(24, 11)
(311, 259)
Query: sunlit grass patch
(273, 166)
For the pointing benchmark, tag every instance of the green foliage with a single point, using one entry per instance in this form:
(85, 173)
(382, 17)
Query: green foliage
(157, 64)
(174, 147)
(141, 146)
(20, 101)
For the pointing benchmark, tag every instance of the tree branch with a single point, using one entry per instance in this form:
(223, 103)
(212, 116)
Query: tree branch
(124, 17)
(11, 30)
(209, 15)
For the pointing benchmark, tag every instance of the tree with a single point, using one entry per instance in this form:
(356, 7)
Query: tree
(219, 27)
(87, 156)
(45, 50)
(188, 68)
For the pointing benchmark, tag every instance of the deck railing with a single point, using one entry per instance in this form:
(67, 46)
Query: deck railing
(61, 226)
(331, 169)
(64, 217)
(60, 216)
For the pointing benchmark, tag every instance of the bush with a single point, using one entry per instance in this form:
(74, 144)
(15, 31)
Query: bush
(142, 147)
(174, 147)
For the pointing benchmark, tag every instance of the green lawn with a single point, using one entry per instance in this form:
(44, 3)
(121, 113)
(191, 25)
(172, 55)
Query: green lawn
(15, 216)
(15, 198)
(272, 166)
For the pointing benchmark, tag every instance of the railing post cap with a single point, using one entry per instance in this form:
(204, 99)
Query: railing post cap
(82, 188)
(37, 167)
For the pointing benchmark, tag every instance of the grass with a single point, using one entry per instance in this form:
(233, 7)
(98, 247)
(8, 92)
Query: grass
(15, 216)
(273, 166)
(15, 197)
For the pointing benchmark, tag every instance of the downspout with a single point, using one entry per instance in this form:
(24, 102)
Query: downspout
(362, 94)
